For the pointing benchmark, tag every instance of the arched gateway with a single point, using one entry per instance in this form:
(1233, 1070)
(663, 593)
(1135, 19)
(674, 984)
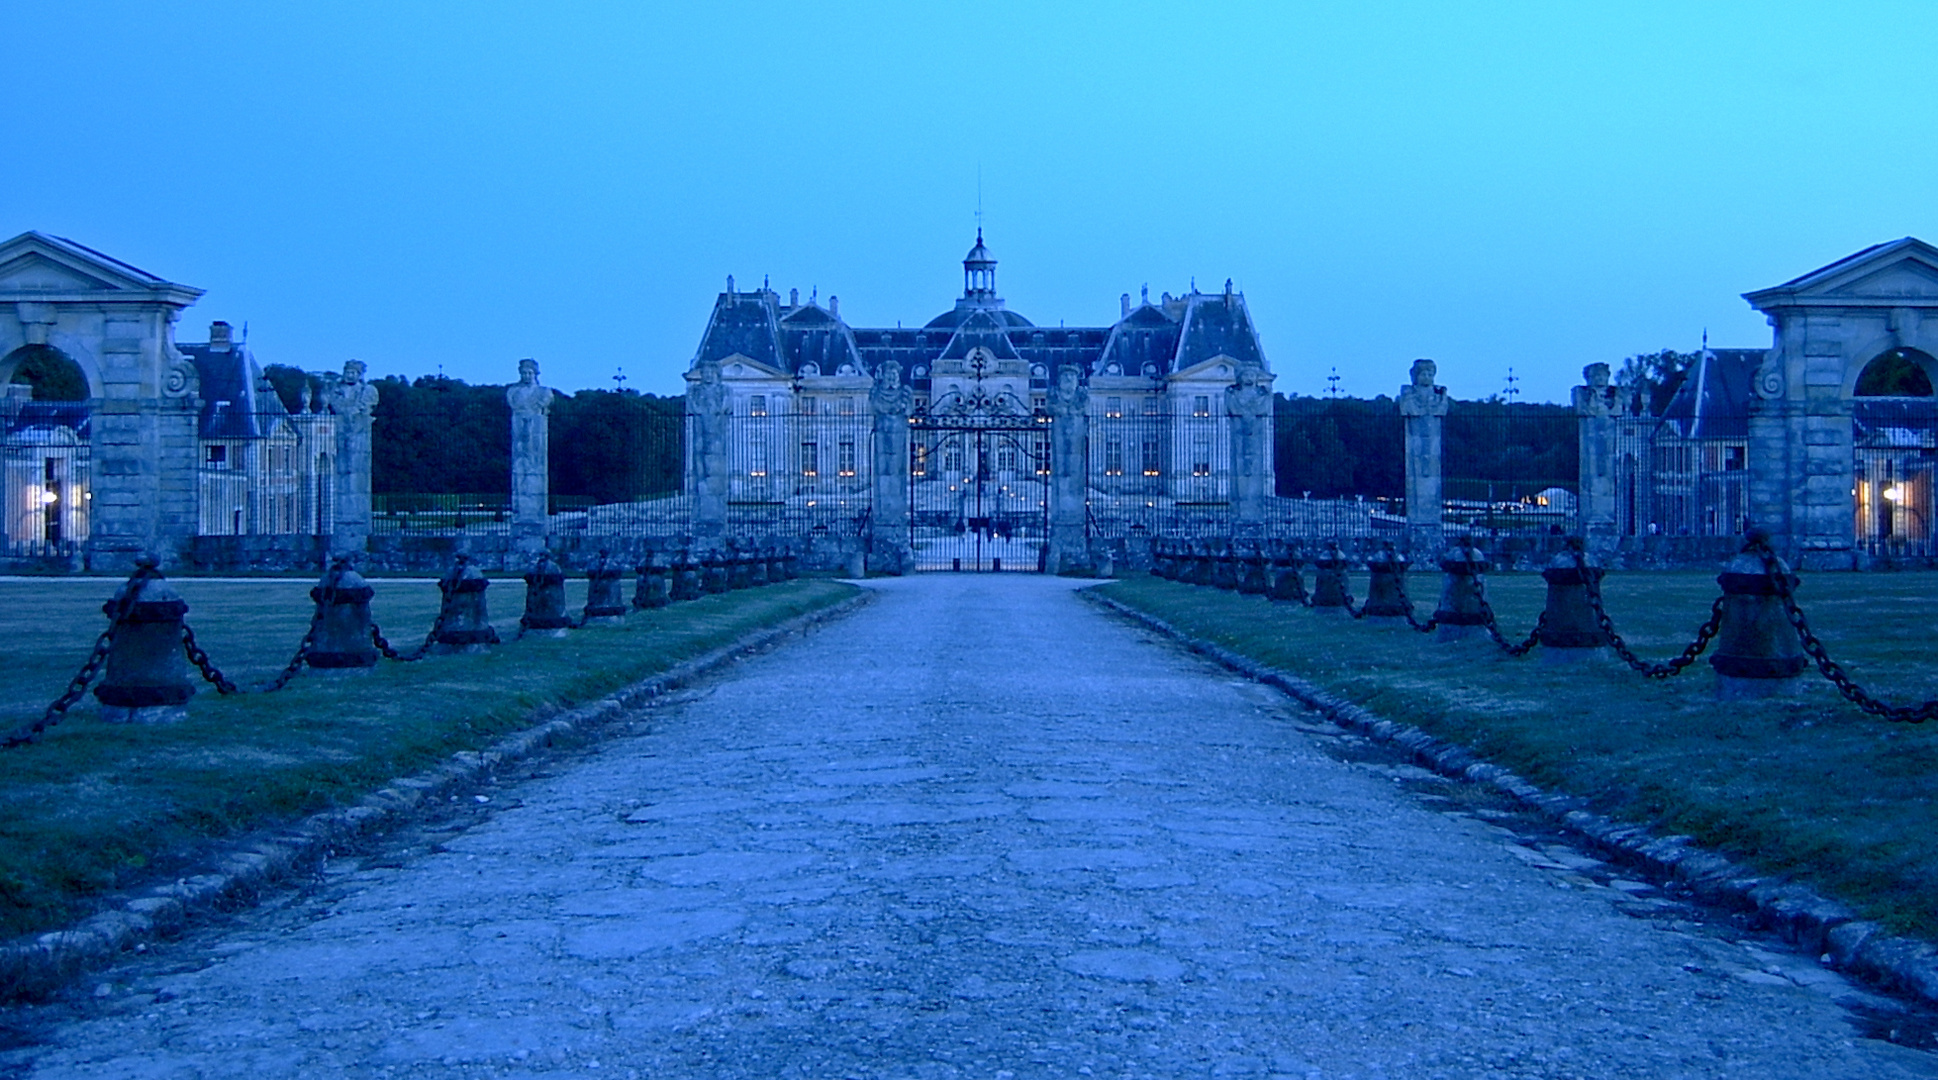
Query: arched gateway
(1851, 370)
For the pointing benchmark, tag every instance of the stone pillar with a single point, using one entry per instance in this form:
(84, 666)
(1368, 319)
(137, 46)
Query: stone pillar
(1069, 405)
(1424, 406)
(1597, 404)
(888, 543)
(709, 418)
(531, 405)
(352, 400)
(1248, 403)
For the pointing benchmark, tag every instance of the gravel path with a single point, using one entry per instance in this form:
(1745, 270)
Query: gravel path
(979, 829)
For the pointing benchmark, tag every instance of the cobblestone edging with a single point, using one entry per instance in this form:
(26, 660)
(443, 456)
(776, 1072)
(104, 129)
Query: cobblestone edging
(239, 873)
(1796, 913)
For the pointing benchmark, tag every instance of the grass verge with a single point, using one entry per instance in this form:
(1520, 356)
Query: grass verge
(1805, 785)
(95, 808)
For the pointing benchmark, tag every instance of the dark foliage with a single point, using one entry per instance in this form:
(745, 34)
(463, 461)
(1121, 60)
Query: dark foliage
(52, 375)
(1898, 373)
(440, 435)
(1341, 447)
(289, 383)
(616, 445)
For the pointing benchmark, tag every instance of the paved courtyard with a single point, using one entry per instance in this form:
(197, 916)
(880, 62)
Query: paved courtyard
(979, 829)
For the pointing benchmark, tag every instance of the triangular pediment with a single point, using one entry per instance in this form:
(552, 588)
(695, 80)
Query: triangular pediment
(34, 272)
(1217, 368)
(1902, 270)
(36, 265)
(742, 366)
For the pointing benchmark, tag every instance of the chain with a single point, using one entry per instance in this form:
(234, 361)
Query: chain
(1832, 670)
(1591, 586)
(419, 653)
(206, 666)
(1399, 586)
(1494, 631)
(75, 688)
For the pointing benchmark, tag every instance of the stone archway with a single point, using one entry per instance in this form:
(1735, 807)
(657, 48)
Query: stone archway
(1832, 326)
(114, 325)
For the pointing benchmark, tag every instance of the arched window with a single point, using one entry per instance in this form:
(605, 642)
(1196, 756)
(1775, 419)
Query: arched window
(1898, 373)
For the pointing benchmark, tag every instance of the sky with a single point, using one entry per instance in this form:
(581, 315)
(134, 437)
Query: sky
(450, 187)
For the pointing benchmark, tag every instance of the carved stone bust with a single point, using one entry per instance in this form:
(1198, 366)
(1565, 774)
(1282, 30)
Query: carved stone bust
(889, 396)
(352, 396)
(1421, 397)
(1068, 397)
(1597, 398)
(526, 395)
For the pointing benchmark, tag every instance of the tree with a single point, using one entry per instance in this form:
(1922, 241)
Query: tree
(1655, 376)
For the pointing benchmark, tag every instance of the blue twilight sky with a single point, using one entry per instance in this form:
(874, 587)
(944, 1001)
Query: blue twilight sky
(453, 186)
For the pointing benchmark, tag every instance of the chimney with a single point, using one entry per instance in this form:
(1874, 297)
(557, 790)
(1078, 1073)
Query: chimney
(219, 339)
(793, 298)
(1126, 301)
(834, 305)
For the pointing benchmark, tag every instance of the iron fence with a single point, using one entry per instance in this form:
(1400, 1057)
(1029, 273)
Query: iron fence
(1895, 447)
(47, 494)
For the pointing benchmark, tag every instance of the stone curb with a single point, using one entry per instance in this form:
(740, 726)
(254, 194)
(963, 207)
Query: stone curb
(1796, 913)
(237, 875)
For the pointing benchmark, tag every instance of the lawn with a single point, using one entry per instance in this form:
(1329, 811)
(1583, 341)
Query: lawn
(95, 807)
(1804, 785)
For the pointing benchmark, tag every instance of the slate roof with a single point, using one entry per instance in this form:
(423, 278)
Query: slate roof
(1153, 339)
(236, 401)
(1714, 400)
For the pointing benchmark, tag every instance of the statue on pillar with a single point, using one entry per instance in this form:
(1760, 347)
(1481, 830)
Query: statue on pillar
(1248, 402)
(890, 400)
(531, 405)
(353, 401)
(1597, 405)
(1424, 405)
(710, 410)
(1069, 408)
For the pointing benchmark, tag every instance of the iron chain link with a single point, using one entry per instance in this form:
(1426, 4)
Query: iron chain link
(1832, 670)
(1591, 586)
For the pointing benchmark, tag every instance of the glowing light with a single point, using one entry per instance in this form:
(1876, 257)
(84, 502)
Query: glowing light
(1895, 493)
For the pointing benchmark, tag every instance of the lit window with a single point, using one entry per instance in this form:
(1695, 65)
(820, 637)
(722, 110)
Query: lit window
(1114, 456)
(1113, 407)
(845, 462)
(757, 405)
(1201, 405)
(810, 459)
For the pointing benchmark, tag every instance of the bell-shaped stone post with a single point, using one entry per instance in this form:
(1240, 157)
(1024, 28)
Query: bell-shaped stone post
(1569, 629)
(1757, 652)
(686, 576)
(147, 680)
(605, 596)
(1288, 582)
(1329, 594)
(653, 589)
(1386, 599)
(1463, 592)
(464, 619)
(545, 599)
(343, 643)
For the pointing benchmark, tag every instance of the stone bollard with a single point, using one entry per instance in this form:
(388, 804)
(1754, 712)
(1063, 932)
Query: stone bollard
(740, 567)
(545, 600)
(1569, 629)
(653, 590)
(605, 597)
(464, 620)
(790, 563)
(1164, 559)
(1463, 594)
(147, 680)
(1252, 578)
(1757, 653)
(1224, 567)
(343, 644)
(1329, 595)
(1288, 583)
(757, 567)
(686, 577)
(713, 573)
(1386, 600)
(776, 564)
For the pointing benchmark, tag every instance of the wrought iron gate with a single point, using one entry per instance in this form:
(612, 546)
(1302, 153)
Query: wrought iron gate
(979, 491)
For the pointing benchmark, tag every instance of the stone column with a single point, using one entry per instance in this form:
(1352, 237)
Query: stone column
(1069, 405)
(1597, 404)
(1248, 404)
(531, 405)
(709, 418)
(888, 544)
(1424, 406)
(352, 400)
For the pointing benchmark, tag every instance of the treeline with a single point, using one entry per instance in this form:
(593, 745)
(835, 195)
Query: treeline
(1331, 448)
(437, 434)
